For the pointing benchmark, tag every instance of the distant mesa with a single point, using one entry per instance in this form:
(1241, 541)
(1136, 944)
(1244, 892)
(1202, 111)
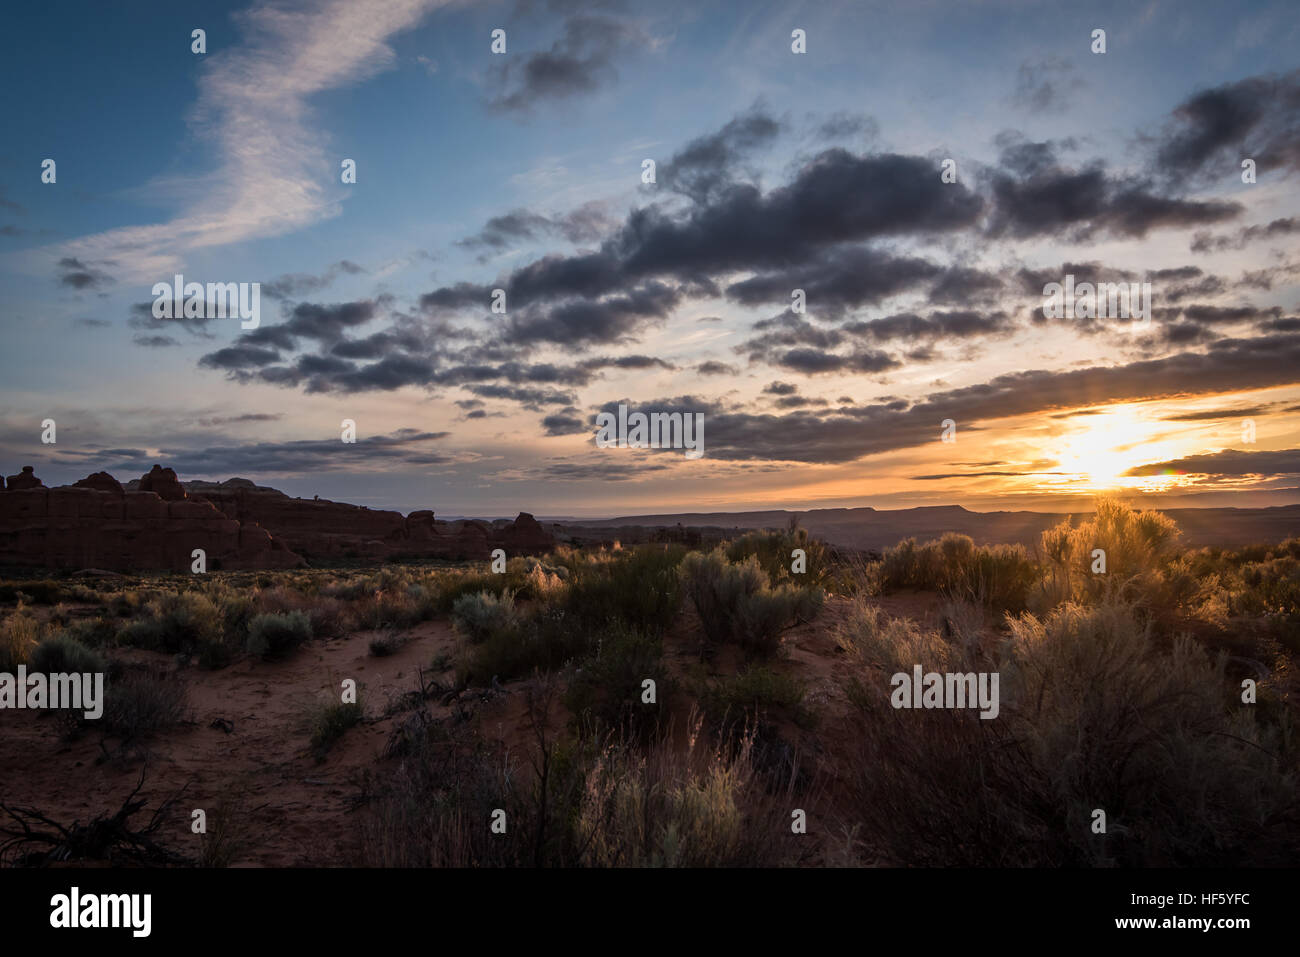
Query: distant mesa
(154, 523)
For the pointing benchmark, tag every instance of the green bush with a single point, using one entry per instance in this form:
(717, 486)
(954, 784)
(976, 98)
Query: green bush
(275, 635)
(999, 577)
(329, 723)
(605, 693)
(774, 552)
(176, 622)
(736, 604)
(756, 689)
(1094, 714)
(142, 701)
(483, 615)
(639, 588)
(63, 655)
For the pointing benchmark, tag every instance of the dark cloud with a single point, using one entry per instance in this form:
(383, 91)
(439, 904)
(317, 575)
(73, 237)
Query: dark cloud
(714, 367)
(239, 358)
(565, 422)
(705, 167)
(955, 324)
(841, 280)
(292, 285)
(602, 471)
(1207, 315)
(1205, 242)
(1234, 462)
(580, 61)
(1035, 193)
(529, 398)
(1210, 415)
(404, 446)
(847, 434)
(585, 224)
(237, 419)
(1214, 130)
(76, 274)
(610, 320)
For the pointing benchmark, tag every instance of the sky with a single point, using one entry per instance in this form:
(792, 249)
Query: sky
(922, 171)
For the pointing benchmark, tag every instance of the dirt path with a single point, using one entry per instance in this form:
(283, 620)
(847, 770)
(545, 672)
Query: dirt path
(297, 810)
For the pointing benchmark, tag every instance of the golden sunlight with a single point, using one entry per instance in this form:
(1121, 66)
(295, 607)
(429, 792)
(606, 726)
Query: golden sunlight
(1099, 448)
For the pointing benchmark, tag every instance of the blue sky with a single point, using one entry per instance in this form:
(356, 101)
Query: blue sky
(225, 166)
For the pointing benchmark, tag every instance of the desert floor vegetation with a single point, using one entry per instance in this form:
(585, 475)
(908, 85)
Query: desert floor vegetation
(654, 705)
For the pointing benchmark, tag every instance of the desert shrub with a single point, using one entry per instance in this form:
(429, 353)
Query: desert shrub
(543, 642)
(876, 642)
(1093, 715)
(63, 655)
(998, 577)
(19, 634)
(736, 604)
(636, 587)
(126, 603)
(275, 635)
(533, 578)
(605, 693)
(592, 802)
(660, 807)
(329, 618)
(773, 552)
(482, 615)
(142, 701)
(453, 586)
(389, 643)
(329, 722)
(34, 592)
(225, 839)
(1139, 546)
(756, 689)
(93, 632)
(175, 622)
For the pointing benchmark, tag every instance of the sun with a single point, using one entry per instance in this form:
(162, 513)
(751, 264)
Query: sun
(1101, 447)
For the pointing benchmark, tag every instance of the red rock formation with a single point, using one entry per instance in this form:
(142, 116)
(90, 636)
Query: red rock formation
(101, 481)
(155, 523)
(85, 525)
(164, 482)
(23, 480)
(335, 531)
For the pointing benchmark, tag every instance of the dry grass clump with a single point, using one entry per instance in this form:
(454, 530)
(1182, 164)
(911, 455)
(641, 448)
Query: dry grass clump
(1094, 715)
(20, 632)
(594, 802)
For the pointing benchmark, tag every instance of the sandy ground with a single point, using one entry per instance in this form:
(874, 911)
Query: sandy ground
(296, 811)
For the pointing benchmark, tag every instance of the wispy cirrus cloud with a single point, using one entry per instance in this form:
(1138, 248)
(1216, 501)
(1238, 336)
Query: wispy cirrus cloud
(253, 109)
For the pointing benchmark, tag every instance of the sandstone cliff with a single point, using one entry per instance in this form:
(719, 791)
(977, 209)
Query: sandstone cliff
(97, 524)
(155, 522)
